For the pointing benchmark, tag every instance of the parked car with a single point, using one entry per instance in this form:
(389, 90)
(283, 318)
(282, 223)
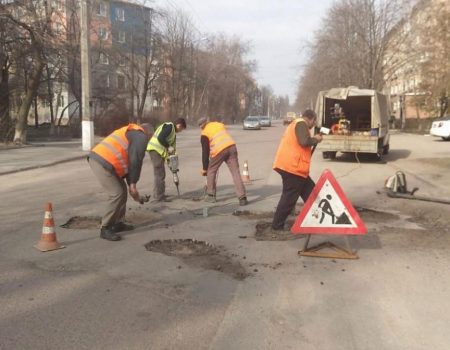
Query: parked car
(288, 118)
(252, 123)
(265, 121)
(441, 128)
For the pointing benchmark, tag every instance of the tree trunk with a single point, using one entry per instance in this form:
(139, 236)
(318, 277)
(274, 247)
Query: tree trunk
(20, 135)
(5, 117)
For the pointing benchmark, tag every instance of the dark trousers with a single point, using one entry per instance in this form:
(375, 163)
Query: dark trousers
(294, 186)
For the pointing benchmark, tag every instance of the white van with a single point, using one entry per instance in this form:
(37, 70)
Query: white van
(357, 118)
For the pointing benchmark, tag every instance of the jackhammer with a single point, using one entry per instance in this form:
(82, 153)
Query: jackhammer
(172, 162)
(397, 188)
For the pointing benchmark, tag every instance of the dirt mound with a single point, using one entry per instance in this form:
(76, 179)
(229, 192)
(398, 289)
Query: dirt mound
(199, 254)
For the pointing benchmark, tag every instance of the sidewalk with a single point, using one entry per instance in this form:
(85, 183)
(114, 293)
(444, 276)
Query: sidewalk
(39, 155)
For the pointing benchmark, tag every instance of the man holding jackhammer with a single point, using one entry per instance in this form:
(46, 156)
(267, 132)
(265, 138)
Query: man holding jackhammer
(119, 156)
(219, 147)
(161, 145)
(292, 162)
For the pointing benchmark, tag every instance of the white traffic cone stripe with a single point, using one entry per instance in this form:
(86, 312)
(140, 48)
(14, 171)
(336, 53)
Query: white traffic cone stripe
(48, 230)
(48, 215)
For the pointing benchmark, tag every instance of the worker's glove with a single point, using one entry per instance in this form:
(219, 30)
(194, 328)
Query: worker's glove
(171, 150)
(203, 172)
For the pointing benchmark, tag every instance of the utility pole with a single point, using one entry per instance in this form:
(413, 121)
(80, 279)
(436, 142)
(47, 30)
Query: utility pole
(87, 124)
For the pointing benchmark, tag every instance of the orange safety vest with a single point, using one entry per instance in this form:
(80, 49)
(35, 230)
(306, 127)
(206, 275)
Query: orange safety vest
(114, 149)
(292, 157)
(218, 137)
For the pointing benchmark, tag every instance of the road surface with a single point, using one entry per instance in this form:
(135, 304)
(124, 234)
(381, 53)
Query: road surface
(243, 293)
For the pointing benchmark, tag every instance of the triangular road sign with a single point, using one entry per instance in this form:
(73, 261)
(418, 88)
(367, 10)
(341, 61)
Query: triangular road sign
(328, 211)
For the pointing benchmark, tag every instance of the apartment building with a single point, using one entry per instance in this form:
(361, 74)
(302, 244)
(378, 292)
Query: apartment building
(121, 43)
(119, 37)
(404, 60)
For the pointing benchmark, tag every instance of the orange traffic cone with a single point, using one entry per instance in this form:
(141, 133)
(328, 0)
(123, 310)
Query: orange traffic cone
(245, 174)
(48, 237)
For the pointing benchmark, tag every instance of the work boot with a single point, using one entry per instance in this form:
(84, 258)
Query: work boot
(210, 198)
(106, 232)
(243, 201)
(121, 226)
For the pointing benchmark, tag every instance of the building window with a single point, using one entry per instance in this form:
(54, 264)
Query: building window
(101, 9)
(58, 28)
(61, 101)
(18, 12)
(120, 82)
(122, 61)
(103, 58)
(121, 36)
(120, 14)
(102, 33)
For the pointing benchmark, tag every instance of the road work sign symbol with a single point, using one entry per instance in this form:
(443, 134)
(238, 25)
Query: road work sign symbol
(328, 211)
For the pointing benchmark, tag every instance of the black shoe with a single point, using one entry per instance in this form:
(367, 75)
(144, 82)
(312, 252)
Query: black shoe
(243, 201)
(121, 226)
(108, 234)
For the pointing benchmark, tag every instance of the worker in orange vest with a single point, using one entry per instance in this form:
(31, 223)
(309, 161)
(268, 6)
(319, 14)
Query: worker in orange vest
(218, 147)
(119, 156)
(292, 162)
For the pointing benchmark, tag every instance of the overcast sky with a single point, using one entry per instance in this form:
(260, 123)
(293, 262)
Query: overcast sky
(277, 30)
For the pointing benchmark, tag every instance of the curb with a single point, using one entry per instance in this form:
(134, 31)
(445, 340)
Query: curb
(43, 166)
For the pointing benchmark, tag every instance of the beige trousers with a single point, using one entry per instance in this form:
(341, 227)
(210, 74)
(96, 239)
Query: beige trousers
(230, 157)
(117, 191)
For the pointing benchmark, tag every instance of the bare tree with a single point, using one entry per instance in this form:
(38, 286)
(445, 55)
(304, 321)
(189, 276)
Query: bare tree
(29, 23)
(178, 33)
(6, 41)
(225, 79)
(351, 47)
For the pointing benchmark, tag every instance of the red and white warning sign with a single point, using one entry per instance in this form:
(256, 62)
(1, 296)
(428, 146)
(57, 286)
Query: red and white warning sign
(328, 211)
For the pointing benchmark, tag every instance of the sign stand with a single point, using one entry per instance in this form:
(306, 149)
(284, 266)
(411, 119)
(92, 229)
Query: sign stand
(336, 253)
(328, 211)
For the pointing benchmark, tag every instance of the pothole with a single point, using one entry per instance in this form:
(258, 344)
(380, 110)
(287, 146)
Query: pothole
(253, 214)
(370, 215)
(83, 222)
(199, 254)
(140, 218)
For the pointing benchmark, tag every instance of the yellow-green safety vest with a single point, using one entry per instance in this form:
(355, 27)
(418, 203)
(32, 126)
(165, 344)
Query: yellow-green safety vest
(154, 145)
